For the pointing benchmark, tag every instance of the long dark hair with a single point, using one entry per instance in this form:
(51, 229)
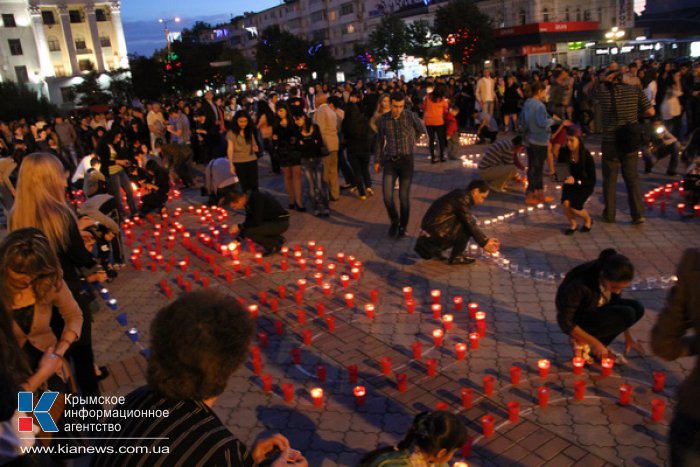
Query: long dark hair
(264, 109)
(248, 130)
(438, 93)
(615, 267)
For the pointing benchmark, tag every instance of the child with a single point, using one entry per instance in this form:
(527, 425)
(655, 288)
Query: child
(94, 182)
(452, 133)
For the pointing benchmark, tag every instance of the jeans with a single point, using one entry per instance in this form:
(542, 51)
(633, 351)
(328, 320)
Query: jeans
(403, 170)
(114, 183)
(360, 167)
(345, 168)
(438, 132)
(432, 247)
(684, 440)
(536, 157)
(609, 321)
(318, 190)
(612, 161)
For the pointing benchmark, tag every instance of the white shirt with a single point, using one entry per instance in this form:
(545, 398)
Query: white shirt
(83, 167)
(485, 89)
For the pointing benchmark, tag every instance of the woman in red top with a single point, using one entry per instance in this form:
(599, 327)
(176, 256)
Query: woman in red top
(435, 106)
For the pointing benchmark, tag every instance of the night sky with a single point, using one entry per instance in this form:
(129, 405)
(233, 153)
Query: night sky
(144, 34)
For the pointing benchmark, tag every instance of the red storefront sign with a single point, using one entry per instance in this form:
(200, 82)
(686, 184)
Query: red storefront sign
(568, 26)
(538, 49)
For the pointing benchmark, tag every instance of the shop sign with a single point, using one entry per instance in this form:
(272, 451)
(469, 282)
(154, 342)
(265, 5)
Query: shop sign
(537, 49)
(561, 26)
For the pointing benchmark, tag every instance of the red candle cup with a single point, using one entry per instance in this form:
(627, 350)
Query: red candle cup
(257, 366)
(317, 396)
(386, 366)
(488, 423)
(360, 393)
(274, 305)
(320, 309)
(407, 293)
(319, 264)
(266, 382)
(345, 280)
(279, 327)
(318, 278)
(466, 451)
(543, 396)
(355, 273)
(326, 289)
(331, 269)
(681, 208)
(349, 300)
(417, 348)
(369, 310)
(284, 265)
(437, 310)
(248, 271)
(458, 302)
(296, 356)
(543, 366)
(302, 264)
(301, 284)
(431, 369)
(306, 335)
(301, 317)
(262, 338)
(321, 373)
(262, 297)
(658, 407)
(410, 306)
(442, 406)
(312, 245)
(267, 267)
(188, 286)
(579, 390)
(281, 291)
(513, 411)
(436, 295)
(606, 365)
(236, 265)
(330, 322)
(489, 382)
(515, 372)
(285, 251)
(461, 350)
(467, 397)
(341, 257)
(625, 394)
(473, 340)
(402, 382)
(473, 308)
(578, 364)
(447, 321)
(659, 381)
(480, 317)
(352, 374)
(374, 296)
(437, 337)
(298, 297)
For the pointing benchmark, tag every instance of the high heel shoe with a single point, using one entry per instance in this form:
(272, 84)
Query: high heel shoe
(585, 229)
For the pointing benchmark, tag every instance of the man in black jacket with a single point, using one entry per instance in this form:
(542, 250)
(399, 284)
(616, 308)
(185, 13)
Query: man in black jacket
(265, 219)
(356, 134)
(449, 223)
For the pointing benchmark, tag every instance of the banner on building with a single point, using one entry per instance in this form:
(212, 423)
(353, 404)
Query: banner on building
(625, 14)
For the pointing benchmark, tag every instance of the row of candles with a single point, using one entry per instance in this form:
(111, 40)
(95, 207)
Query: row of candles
(663, 195)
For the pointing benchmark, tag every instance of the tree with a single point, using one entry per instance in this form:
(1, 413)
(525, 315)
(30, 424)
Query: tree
(192, 34)
(363, 58)
(281, 54)
(120, 86)
(18, 101)
(421, 43)
(89, 91)
(238, 66)
(146, 76)
(389, 41)
(465, 31)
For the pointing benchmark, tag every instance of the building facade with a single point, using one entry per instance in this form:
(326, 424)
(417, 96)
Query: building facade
(49, 44)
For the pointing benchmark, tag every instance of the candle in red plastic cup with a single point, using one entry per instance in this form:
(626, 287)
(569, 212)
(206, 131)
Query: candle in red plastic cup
(268, 267)
(279, 327)
(480, 317)
(579, 390)
(341, 257)
(266, 382)
(345, 280)
(318, 278)
(258, 258)
(321, 373)
(410, 306)
(352, 374)
(317, 396)
(407, 293)
(274, 305)
(262, 297)
(461, 350)
(349, 300)
(437, 337)
(326, 289)
(467, 397)
(488, 424)
(436, 295)
(331, 269)
(657, 409)
(360, 393)
(473, 340)
(431, 369)
(247, 271)
(543, 366)
(255, 352)
(578, 364)
(298, 297)
(306, 335)
(417, 348)
(447, 321)
(515, 372)
(253, 309)
(458, 302)
(319, 264)
(442, 406)
(285, 251)
(257, 366)
(374, 296)
(386, 366)
(284, 265)
(681, 208)
(312, 245)
(330, 322)
(513, 411)
(473, 308)
(466, 450)
(489, 382)
(262, 338)
(402, 382)
(236, 265)
(301, 284)
(355, 273)
(320, 309)
(302, 264)
(543, 396)
(437, 310)
(281, 291)
(659, 380)
(606, 365)
(301, 317)
(369, 310)
(625, 394)
(296, 356)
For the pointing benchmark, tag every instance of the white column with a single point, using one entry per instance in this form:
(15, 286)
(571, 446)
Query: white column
(95, 36)
(119, 31)
(68, 36)
(42, 47)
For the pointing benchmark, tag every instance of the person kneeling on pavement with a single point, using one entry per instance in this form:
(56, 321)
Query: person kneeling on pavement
(219, 181)
(265, 219)
(591, 311)
(449, 223)
(500, 164)
(661, 143)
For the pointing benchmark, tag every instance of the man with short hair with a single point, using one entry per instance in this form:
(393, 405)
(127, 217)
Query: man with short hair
(156, 124)
(327, 120)
(486, 92)
(197, 343)
(500, 163)
(265, 219)
(218, 180)
(68, 138)
(397, 131)
(449, 223)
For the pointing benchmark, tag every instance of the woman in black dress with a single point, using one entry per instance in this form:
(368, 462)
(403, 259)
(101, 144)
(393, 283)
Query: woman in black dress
(579, 184)
(284, 139)
(511, 98)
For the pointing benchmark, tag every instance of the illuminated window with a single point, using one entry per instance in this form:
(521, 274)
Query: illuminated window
(54, 44)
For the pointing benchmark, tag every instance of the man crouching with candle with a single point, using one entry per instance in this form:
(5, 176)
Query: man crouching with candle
(449, 223)
(265, 219)
(591, 310)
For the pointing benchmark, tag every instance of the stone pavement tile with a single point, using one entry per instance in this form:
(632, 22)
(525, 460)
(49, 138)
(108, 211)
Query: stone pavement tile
(591, 460)
(574, 452)
(560, 460)
(515, 452)
(551, 448)
(594, 435)
(531, 460)
(642, 455)
(521, 431)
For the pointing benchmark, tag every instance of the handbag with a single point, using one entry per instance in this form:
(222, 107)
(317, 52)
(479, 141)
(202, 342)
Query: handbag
(628, 137)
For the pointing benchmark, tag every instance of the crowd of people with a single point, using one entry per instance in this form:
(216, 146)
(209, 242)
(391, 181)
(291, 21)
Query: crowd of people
(67, 185)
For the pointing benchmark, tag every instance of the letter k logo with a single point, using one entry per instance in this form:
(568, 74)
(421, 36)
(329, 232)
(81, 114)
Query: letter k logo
(25, 403)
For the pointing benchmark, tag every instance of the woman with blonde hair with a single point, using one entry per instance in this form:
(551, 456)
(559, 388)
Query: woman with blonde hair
(41, 203)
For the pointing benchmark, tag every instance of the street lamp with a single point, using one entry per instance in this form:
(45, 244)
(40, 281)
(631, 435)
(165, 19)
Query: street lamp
(164, 22)
(614, 35)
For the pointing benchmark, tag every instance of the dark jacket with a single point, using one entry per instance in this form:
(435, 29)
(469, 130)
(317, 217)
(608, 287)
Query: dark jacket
(262, 208)
(285, 143)
(583, 171)
(450, 214)
(356, 131)
(310, 146)
(579, 293)
(669, 339)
